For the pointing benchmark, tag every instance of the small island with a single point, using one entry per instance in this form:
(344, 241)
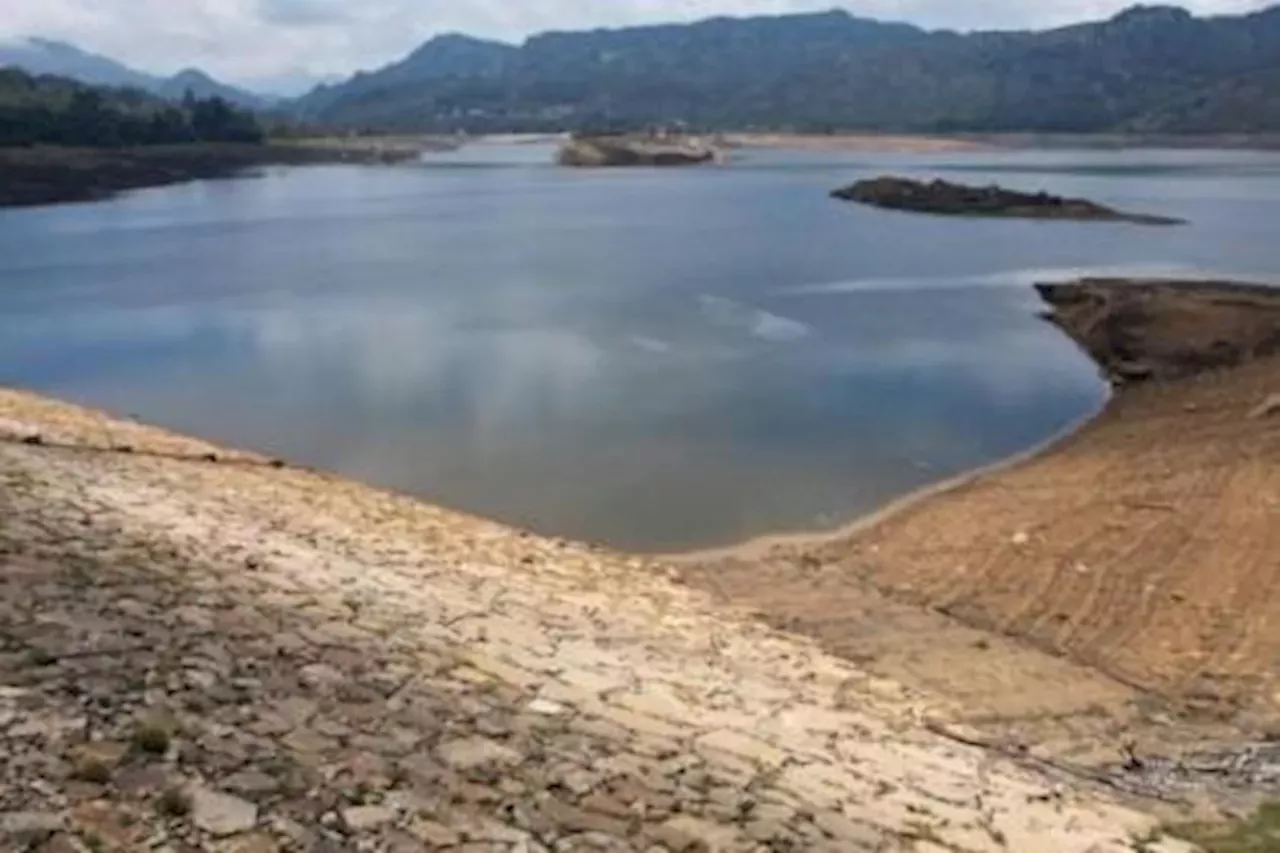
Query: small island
(637, 150)
(943, 197)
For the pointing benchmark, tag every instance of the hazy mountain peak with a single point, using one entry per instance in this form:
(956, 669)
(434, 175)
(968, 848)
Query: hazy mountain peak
(193, 75)
(51, 45)
(38, 55)
(1155, 14)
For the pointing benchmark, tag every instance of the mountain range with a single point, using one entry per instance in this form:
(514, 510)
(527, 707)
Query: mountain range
(1148, 69)
(43, 56)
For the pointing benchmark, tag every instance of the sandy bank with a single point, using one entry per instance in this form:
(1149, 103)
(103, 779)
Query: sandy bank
(1141, 547)
(855, 142)
(333, 667)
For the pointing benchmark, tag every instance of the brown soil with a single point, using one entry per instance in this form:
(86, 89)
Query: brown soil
(856, 142)
(1143, 552)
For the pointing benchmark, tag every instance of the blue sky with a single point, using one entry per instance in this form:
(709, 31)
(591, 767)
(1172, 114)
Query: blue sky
(272, 42)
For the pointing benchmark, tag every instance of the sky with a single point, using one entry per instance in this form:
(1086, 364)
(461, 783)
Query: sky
(283, 44)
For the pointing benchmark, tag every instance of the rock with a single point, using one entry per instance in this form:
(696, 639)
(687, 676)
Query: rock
(109, 822)
(256, 842)
(1020, 538)
(250, 782)
(474, 752)
(686, 834)
(366, 818)
(947, 198)
(321, 676)
(434, 835)
(95, 762)
(636, 151)
(25, 829)
(545, 708)
(64, 843)
(1267, 408)
(737, 744)
(221, 814)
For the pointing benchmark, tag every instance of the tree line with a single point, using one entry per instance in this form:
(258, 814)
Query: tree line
(55, 111)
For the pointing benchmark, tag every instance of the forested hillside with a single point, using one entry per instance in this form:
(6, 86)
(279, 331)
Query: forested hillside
(58, 111)
(1154, 68)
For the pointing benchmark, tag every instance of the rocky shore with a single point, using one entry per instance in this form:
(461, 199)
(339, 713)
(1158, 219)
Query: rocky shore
(49, 175)
(207, 650)
(949, 199)
(1166, 330)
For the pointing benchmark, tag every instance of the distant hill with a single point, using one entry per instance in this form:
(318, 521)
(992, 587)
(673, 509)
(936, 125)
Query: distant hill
(201, 85)
(48, 110)
(1154, 68)
(43, 56)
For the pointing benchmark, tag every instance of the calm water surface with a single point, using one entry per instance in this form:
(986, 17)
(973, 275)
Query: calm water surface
(652, 359)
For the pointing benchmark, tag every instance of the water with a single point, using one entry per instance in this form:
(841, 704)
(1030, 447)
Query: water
(651, 359)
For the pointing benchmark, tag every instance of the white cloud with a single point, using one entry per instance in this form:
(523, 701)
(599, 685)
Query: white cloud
(266, 39)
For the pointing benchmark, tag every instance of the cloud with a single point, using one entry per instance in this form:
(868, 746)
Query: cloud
(305, 13)
(245, 40)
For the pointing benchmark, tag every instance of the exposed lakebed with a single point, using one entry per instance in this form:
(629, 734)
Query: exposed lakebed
(653, 359)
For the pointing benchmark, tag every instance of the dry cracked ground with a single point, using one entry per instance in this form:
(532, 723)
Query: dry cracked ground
(204, 651)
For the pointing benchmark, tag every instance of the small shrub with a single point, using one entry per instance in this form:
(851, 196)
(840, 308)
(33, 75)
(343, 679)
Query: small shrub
(40, 657)
(174, 802)
(151, 739)
(1258, 834)
(92, 770)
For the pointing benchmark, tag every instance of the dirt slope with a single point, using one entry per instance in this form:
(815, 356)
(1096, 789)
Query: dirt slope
(1144, 551)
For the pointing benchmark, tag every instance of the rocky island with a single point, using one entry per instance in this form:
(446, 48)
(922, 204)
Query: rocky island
(635, 150)
(944, 197)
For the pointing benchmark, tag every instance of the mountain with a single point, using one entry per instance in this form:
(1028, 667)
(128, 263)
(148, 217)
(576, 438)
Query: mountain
(1155, 68)
(46, 109)
(201, 85)
(445, 57)
(43, 56)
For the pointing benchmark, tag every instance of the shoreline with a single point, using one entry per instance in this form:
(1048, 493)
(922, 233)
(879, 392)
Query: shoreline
(926, 143)
(185, 534)
(757, 545)
(1123, 546)
(1076, 430)
(259, 642)
(46, 175)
